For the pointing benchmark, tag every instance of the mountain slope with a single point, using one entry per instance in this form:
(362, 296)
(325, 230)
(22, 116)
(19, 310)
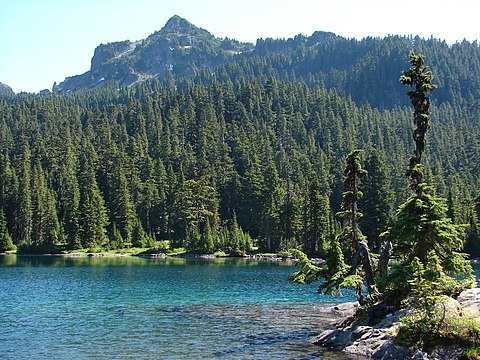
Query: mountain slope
(367, 69)
(179, 48)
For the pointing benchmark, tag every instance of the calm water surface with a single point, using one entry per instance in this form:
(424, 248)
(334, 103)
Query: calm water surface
(131, 308)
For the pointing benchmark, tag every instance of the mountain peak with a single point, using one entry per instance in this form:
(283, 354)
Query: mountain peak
(6, 90)
(176, 23)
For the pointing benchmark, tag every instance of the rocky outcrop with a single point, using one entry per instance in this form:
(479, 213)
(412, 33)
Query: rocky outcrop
(6, 90)
(469, 301)
(179, 48)
(378, 341)
(339, 315)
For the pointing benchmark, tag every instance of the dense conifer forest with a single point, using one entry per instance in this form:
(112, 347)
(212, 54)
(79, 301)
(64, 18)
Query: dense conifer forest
(248, 156)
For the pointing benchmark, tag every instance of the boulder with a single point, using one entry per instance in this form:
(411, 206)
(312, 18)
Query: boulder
(340, 314)
(378, 341)
(469, 301)
(366, 341)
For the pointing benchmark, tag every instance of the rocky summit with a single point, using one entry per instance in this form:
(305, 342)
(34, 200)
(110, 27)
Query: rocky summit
(181, 53)
(6, 90)
(179, 48)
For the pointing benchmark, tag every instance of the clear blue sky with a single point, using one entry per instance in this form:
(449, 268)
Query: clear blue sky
(43, 41)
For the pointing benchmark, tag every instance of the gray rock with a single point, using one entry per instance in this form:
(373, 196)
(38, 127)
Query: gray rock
(367, 341)
(335, 339)
(179, 48)
(378, 341)
(6, 90)
(442, 352)
(469, 301)
(339, 315)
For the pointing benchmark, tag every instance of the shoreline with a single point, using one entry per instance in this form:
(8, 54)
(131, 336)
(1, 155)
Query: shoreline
(267, 258)
(378, 340)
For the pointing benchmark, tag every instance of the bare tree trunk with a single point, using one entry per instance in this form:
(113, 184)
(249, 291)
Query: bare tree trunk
(384, 258)
(358, 292)
(364, 253)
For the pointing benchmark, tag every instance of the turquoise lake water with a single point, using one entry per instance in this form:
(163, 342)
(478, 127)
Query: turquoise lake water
(132, 308)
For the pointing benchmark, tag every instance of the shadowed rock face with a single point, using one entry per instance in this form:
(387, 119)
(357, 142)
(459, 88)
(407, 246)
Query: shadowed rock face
(6, 90)
(179, 48)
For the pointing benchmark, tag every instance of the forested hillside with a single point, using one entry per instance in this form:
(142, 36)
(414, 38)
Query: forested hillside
(251, 155)
(366, 69)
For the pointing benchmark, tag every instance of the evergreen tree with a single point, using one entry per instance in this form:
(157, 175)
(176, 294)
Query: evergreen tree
(316, 221)
(115, 238)
(377, 200)
(422, 225)
(68, 193)
(138, 235)
(349, 263)
(477, 207)
(195, 204)
(334, 272)
(207, 241)
(235, 243)
(351, 237)
(39, 202)
(53, 233)
(121, 206)
(423, 231)
(271, 199)
(419, 77)
(6, 243)
(289, 221)
(23, 203)
(93, 217)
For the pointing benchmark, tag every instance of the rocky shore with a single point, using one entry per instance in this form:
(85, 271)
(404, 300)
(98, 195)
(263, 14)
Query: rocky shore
(378, 341)
(270, 258)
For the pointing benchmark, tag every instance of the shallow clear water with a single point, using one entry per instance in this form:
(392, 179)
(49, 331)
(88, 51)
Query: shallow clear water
(132, 308)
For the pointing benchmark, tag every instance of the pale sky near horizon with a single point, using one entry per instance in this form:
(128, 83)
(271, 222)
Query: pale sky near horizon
(44, 41)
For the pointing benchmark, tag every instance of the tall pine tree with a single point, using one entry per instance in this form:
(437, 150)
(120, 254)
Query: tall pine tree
(93, 218)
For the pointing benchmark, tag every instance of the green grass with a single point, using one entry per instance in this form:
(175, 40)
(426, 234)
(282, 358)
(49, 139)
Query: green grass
(472, 353)
(220, 254)
(176, 251)
(130, 251)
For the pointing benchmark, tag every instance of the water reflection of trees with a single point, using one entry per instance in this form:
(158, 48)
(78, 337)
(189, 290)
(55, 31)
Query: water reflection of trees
(76, 261)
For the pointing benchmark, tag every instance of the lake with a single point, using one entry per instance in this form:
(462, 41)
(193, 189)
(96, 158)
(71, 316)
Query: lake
(134, 308)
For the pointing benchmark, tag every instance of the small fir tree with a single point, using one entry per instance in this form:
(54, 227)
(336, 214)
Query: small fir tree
(139, 236)
(351, 236)
(349, 263)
